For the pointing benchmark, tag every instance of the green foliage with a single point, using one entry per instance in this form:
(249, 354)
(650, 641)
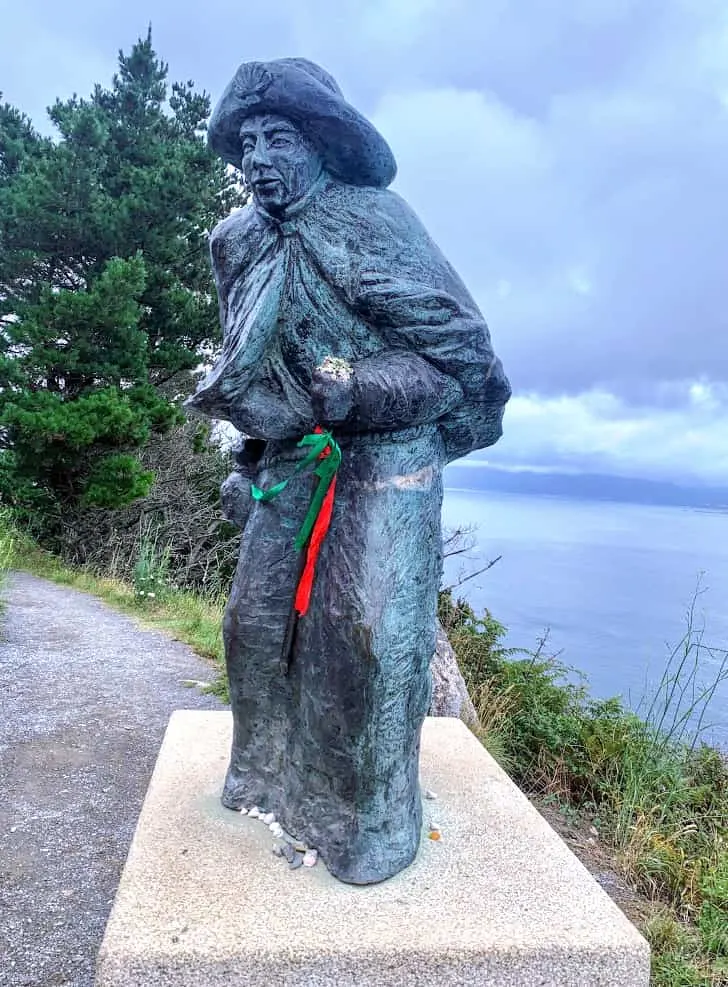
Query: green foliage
(60, 446)
(7, 544)
(677, 956)
(661, 796)
(664, 805)
(713, 917)
(117, 478)
(188, 616)
(677, 708)
(151, 569)
(105, 286)
(181, 510)
(543, 735)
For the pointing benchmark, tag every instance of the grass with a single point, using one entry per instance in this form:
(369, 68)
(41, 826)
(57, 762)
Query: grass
(7, 549)
(190, 617)
(659, 795)
(679, 958)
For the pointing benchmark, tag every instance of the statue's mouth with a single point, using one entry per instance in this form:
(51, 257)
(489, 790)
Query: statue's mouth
(266, 184)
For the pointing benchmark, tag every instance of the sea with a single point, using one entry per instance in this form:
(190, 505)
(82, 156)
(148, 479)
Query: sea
(611, 586)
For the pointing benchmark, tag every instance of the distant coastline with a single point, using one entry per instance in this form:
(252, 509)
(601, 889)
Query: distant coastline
(586, 486)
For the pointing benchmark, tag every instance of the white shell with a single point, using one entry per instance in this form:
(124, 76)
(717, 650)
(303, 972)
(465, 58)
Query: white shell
(243, 812)
(254, 812)
(309, 858)
(276, 829)
(268, 818)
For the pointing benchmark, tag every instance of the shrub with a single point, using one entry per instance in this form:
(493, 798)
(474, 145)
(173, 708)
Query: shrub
(713, 917)
(661, 795)
(151, 568)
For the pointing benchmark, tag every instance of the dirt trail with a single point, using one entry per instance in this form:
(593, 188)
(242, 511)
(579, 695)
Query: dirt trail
(85, 696)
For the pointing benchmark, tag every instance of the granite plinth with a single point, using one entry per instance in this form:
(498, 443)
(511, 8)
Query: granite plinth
(498, 900)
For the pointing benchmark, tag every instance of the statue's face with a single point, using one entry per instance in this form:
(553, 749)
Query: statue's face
(279, 163)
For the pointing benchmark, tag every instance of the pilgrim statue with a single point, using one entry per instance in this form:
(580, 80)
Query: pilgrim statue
(356, 365)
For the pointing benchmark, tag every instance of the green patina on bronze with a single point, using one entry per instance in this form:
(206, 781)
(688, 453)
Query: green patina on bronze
(338, 311)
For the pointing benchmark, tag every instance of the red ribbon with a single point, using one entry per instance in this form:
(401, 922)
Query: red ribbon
(318, 533)
(321, 526)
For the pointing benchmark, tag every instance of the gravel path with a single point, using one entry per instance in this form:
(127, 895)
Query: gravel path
(85, 696)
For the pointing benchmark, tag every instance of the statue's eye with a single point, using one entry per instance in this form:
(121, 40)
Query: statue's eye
(280, 141)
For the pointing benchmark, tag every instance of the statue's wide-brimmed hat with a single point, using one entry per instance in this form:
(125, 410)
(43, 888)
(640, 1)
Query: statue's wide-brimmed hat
(352, 148)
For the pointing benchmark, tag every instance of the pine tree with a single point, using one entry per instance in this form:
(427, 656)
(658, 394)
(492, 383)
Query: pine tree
(105, 286)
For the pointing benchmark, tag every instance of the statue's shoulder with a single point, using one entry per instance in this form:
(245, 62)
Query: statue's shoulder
(375, 203)
(384, 226)
(229, 238)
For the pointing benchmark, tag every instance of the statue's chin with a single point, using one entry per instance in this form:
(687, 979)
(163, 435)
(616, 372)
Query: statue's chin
(271, 200)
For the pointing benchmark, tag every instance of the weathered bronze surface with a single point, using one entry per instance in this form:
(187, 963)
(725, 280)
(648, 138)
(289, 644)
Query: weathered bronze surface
(326, 263)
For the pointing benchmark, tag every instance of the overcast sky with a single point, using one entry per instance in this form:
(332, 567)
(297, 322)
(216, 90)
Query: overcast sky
(571, 159)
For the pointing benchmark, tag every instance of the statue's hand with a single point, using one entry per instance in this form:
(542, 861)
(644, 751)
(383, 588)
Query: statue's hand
(332, 395)
(236, 499)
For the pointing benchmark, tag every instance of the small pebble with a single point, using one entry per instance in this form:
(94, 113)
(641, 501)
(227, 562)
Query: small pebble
(277, 851)
(309, 858)
(269, 818)
(297, 861)
(429, 794)
(243, 812)
(288, 852)
(254, 812)
(435, 834)
(276, 829)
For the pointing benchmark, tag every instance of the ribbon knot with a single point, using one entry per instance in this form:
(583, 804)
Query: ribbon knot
(326, 454)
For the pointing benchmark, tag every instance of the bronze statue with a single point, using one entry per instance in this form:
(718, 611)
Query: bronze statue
(350, 345)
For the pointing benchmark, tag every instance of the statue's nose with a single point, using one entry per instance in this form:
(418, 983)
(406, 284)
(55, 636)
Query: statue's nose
(260, 156)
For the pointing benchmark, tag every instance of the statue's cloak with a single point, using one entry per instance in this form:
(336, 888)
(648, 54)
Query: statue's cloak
(349, 272)
(331, 745)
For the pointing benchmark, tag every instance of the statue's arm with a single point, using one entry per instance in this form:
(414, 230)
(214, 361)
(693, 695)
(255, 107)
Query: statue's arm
(392, 390)
(437, 353)
(235, 492)
(230, 245)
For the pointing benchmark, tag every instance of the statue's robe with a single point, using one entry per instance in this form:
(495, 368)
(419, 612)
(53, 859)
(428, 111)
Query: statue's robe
(332, 747)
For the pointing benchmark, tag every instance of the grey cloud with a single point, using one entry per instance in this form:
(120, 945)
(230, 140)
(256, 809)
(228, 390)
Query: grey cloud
(569, 158)
(597, 432)
(593, 239)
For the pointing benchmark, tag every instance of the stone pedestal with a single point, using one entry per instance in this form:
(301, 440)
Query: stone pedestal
(498, 900)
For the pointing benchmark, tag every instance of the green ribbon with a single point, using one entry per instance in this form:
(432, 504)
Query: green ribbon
(325, 471)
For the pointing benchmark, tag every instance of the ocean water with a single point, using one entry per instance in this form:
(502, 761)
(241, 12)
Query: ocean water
(611, 582)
